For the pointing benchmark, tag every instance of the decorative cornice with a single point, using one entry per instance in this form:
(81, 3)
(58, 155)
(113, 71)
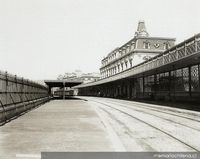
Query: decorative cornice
(157, 38)
(127, 54)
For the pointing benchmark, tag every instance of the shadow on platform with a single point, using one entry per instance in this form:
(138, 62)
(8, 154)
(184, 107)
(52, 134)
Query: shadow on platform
(182, 105)
(67, 98)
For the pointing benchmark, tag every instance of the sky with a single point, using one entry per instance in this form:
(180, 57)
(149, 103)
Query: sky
(40, 39)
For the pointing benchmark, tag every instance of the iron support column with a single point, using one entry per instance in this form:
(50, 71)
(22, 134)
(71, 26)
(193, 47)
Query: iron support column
(170, 85)
(63, 90)
(143, 87)
(190, 88)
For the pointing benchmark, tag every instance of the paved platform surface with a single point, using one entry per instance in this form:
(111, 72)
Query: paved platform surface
(60, 125)
(100, 124)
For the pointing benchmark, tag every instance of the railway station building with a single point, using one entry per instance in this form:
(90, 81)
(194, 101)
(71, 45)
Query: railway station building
(150, 68)
(137, 50)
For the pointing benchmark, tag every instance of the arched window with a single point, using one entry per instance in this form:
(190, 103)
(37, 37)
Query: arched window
(146, 45)
(122, 66)
(166, 45)
(130, 61)
(126, 64)
(118, 68)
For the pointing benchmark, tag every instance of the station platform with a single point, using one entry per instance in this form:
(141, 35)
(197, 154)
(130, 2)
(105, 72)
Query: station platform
(100, 124)
(59, 125)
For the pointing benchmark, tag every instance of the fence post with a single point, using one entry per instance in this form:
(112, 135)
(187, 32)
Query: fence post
(185, 49)
(22, 93)
(15, 82)
(6, 90)
(195, 43)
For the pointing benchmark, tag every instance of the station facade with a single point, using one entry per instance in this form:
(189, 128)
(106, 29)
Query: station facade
(171, 74)
(137, 50)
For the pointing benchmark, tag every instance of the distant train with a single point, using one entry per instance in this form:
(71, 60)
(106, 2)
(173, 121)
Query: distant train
(60, 93)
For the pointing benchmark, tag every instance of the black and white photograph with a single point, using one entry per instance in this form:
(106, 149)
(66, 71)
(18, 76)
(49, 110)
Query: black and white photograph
(99, 79)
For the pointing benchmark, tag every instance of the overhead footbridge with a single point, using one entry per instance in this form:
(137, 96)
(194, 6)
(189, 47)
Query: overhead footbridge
(172, 75)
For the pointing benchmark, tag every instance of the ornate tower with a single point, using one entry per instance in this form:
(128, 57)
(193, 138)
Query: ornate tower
(141, 30)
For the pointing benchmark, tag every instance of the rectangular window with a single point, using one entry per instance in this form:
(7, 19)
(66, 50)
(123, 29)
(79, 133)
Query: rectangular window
(166, 46)
(146, 45)
(181, 80)
(195, 78)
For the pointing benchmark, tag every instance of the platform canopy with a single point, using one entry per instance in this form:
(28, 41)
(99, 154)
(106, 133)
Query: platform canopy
(62, 83)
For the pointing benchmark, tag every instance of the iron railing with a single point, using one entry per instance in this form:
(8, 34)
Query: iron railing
(184, 49)
(18, 95)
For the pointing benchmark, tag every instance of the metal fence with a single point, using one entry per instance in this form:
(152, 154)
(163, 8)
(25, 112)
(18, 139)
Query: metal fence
(180, 51)
(18, 95)
(179, 84)
(182, 84)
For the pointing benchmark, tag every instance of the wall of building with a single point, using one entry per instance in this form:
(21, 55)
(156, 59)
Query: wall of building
(137, 50)
(173, 75)
(155, 43)
(177, 85)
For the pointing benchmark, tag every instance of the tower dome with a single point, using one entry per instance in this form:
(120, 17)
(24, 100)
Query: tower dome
(141, 30)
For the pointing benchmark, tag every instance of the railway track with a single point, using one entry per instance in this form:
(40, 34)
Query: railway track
(162, 113)
(162, 109)
(178, 131)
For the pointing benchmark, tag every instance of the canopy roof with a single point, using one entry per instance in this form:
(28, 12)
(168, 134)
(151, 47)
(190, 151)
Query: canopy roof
(62, 83)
